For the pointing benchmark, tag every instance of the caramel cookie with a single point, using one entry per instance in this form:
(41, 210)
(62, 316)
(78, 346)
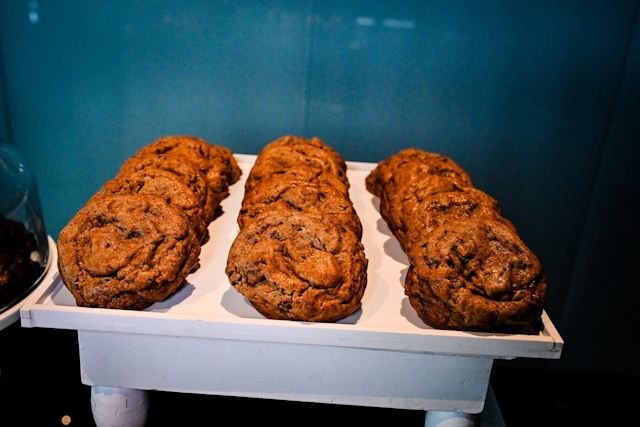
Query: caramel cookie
(126, 251)
(300, 196)
(476, 275)
(294, 267)
(164, 184)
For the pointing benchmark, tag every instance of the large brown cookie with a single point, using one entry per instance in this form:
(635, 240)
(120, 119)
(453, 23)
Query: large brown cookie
(281, 158)
(165, 184)
(297, 172)
(467, 204)
(476, 275)
(215, 162)
(126, 251)
(394, 207)
(294, 267)
(316, 142)
(410, 165)
(300, 196)
(180, 166)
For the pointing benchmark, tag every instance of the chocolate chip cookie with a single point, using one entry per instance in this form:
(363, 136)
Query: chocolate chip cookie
(476, 275)
(318, 200)
(126, 251)
(294, 267)
(164, 184)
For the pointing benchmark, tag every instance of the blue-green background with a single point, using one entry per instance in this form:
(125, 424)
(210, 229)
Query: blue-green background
(539, 101)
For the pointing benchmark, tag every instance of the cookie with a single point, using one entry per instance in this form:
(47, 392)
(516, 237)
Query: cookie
(294, 267)
(215, 162)
(290, 140)
(164, 184)
(476, 275)
(395, 208)
(180, 166)
(468, 204)
(297, 172)
(412, 164)
(126, 251)
(318, 200)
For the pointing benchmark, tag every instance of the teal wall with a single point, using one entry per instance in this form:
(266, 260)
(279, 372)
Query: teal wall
(537, 100)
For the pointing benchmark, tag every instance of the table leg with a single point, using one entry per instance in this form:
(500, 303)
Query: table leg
(119, 407)
(451, 419)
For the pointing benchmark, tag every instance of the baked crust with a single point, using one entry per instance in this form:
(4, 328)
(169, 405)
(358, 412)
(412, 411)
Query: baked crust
(289, 154)
(164, 184)
(126, 251)
(469, 269)
(215, 161)
(179, 165)
(476, 275)
(411, 164)
(294, 267)
(317, 200)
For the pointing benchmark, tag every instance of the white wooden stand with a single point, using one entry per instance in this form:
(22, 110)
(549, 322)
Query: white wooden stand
(208, 339)
(119, 407)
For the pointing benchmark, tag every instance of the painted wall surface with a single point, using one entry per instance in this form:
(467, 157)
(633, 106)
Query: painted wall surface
(533, 99)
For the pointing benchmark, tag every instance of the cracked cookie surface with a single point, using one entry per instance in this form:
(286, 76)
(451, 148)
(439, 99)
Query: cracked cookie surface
(294, 267)
(126, 251)
(475, 275)
(300, 196)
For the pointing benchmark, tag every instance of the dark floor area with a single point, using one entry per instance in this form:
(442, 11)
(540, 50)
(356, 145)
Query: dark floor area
(41, 367)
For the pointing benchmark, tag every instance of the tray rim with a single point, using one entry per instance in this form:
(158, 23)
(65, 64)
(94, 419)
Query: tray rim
(39, 311)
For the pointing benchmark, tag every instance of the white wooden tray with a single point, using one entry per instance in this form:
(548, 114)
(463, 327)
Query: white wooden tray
(208, 307)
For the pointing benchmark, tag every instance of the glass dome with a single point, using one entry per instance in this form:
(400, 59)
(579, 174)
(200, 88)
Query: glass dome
(24, 248)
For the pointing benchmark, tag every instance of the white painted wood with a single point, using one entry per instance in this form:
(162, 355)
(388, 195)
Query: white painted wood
(326, 374)
(119, 407)
(450, 419)
(208, 307)
(208, 339)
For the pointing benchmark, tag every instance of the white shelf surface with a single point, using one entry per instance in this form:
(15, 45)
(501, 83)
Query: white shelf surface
(207, 307)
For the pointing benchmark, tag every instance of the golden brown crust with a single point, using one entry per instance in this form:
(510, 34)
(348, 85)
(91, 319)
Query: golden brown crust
(410, 165)
(294, 267)
(126, 251)
(469, 269)
(474, 275)
(298, 255)
(180, 166)
(137, 239)
(300, 196)
(164, 184)
(215, 162)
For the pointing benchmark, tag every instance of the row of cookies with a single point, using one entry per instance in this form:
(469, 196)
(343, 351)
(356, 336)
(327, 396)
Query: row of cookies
(469, 269)
(298, 255)
(136, 240)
